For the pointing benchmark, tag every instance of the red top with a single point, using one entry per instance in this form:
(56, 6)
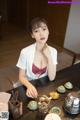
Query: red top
(37, 70)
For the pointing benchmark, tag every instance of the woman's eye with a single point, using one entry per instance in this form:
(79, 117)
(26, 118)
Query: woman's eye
(36, 31)
(44, 29)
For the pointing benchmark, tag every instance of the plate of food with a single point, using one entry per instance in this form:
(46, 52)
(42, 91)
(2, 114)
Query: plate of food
(32, 105)
(68, 85)
(55, 109)
(43, 103)
(61, 89)
(54, 95)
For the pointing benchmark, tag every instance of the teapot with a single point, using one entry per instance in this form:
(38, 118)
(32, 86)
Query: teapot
(72, 102)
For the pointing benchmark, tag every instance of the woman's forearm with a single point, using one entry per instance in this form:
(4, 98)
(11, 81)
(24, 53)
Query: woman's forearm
(24, 80)
(31, 90)
(51, 70)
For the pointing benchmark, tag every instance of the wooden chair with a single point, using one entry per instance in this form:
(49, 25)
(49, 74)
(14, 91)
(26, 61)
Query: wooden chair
(76, 56)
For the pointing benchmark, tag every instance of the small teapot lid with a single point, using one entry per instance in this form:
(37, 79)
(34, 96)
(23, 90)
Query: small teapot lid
(76, 101)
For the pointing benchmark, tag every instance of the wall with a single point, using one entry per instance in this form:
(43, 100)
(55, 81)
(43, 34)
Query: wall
(72, 38)
(17, 12)
(22, 12)
(3, 10)
(56, 15)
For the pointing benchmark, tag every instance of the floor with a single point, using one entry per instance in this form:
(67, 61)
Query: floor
(12, 40)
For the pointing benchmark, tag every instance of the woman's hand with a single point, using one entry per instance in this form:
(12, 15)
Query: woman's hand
(46, 51)
(51, 67)
(31, 91)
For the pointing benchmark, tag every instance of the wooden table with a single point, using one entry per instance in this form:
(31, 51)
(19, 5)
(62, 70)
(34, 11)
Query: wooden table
(69, 74)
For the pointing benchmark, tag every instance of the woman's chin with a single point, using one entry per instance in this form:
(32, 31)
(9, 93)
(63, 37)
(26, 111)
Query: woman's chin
(43, 41)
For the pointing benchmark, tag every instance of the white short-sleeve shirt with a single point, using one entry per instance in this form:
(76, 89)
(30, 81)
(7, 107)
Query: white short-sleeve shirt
(26, 58)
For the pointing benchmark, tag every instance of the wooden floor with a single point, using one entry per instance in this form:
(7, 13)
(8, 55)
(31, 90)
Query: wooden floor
(12, 40)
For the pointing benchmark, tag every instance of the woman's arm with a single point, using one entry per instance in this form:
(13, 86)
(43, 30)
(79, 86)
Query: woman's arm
(31, 90)
(50, 66)
(51, 69)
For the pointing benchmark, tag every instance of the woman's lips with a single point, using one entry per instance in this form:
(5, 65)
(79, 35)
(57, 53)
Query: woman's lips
(42, 38)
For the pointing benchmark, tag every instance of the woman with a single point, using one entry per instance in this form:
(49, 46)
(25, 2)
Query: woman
(37, 60)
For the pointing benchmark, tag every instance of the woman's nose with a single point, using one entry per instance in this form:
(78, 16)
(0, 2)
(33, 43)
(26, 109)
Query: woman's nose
(41, 33)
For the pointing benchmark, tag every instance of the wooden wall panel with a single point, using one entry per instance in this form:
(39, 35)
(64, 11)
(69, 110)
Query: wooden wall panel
(56, 15)
(22, 11)
(17, 12)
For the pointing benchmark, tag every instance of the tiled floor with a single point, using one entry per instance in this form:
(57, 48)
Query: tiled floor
(12, 41)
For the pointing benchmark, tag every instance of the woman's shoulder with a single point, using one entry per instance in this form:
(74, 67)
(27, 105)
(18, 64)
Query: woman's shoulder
(52, 49)
(28, 48)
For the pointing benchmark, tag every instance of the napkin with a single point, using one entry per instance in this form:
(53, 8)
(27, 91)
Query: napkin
(4, 98)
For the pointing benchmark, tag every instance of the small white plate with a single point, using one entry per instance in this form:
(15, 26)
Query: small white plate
(55, 110)
(52, 116)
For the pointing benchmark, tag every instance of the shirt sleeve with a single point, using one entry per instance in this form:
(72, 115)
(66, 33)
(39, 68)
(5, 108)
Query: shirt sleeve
(54, 55)
(22, 61)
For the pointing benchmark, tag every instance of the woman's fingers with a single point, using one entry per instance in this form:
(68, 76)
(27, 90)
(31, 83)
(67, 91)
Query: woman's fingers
(29, 94)
(32, 93)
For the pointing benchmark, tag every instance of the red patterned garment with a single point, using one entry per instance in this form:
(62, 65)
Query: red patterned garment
(37, 70)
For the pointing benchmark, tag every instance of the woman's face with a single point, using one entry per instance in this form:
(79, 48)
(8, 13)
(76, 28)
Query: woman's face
(40, 33)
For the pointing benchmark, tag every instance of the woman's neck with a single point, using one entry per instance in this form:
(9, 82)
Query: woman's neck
(39, 46)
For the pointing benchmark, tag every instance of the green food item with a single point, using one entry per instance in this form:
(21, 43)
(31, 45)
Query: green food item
(56, 110)
(61, 89)
(32, 105)
(68, 85)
